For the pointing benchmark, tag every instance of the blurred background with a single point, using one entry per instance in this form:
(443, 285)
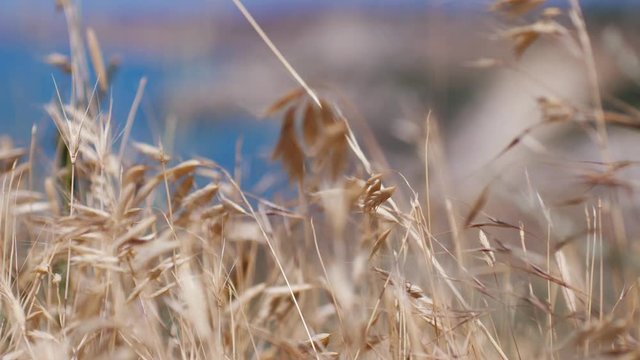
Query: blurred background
(210, 77)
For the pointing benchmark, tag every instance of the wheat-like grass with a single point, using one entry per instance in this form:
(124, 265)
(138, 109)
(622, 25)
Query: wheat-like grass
(130, 254)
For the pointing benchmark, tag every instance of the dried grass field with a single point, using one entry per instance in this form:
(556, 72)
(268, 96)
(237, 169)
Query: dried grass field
(115, 249)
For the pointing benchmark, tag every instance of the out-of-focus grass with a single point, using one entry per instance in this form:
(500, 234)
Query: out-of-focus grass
(124, 252)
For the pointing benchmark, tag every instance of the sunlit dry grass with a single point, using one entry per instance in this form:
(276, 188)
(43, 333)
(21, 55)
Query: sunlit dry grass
(126, 253)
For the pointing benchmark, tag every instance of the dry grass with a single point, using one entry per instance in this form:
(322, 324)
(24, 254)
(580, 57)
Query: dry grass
(116, 255)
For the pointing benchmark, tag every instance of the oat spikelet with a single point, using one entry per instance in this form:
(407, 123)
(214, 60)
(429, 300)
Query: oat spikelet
(516, 7)
(555, 110)
(478, 205)
(200, 197)
(310, 126)
(487, 252)
(153, 152)
(59, 61)
(320, 340)
(332, 150)
(375, 195)
(182, 190)
(524, 36)
(288, 150)
(287, 99)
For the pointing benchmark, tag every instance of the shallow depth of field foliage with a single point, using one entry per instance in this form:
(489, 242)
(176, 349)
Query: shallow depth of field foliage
(115, 250)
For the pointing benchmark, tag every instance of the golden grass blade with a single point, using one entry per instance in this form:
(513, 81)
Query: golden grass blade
(379, 243)
(478, 205)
